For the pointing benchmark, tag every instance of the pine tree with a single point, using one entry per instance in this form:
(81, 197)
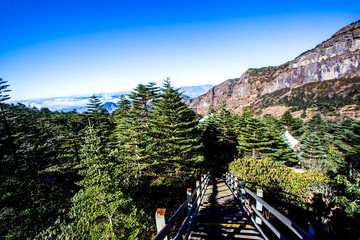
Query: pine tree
(272, 122)
(94, 107)
(211, 142)
(99, 118)
(287, 119)
(313, 153)
(219, 139)
(294, 125)
(73, 129)
(176, 145)
(123, 105)
(242, 128)
(316, 124)
(134, 133)
(7, 141)
(100, 209)
(257, 139)
(347, 136)
(227, 138)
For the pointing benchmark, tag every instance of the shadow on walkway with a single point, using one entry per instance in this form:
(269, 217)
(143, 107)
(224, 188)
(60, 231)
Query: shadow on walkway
(221, 216)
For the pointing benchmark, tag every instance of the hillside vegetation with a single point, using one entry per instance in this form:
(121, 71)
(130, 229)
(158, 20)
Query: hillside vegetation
(328, 97)
(95, 175)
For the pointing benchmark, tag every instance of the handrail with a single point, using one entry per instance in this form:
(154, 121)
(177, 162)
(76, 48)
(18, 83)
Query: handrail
(234, 186)
(192, 212)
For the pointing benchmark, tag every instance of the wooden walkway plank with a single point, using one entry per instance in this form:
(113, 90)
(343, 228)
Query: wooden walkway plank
(221, 216)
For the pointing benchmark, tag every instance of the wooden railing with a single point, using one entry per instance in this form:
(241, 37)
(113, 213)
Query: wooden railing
(192, 203)
(260, 222)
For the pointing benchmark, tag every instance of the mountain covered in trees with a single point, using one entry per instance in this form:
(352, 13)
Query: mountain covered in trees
(327, 75)
(95, 175)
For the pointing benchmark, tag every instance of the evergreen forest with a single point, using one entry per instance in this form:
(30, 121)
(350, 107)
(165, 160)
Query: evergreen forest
(95, 175)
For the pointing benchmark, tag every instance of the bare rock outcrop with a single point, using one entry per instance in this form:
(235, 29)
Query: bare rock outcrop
(338, 57)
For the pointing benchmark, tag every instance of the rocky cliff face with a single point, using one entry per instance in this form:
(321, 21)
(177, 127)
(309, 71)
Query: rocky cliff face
(338, 57)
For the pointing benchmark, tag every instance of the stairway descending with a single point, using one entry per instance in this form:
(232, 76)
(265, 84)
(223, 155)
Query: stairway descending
(221, 216)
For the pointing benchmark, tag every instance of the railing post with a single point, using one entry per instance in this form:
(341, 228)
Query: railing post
(198, 193)
(259, 207)
(188, 194)
(235, 187)
(161, 220)
(232, 182)
(202, 181)
(243, 188)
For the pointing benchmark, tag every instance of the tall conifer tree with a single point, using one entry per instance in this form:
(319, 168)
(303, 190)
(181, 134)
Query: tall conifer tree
(313, 153)
(176, 145)
(99, 118)
(100, 209)
(134, 132)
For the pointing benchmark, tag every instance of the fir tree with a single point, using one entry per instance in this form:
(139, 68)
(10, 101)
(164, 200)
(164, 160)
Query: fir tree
(99, 118)
(123, 105)
(176, 144)
(94, 107)
(73, 131)
(294, 125)
(7, 141)
(227, 137)
(100, 209)
(287, 119)
(272, 122)
(3, 91)
(316, 124)
(313, 153)
(219, 139)
(257, 139)
(211, 109)
(134, 133)
(347, 136)
(211, 142)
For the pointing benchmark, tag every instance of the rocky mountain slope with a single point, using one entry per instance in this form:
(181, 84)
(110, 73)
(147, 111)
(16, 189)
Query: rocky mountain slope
(336, 58)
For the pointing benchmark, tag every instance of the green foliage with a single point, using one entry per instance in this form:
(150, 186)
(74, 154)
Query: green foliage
(277, 178)
(153, 143)
(134, 135)
(348, 181)
(292, 124)
(3, 91)
(323, 95)
(219, 139)
(100, 210)
(313, 154)
(347, 136)
(100, 118)
(256, 139)
(176, 146)
(33, 189)
(123, 105)
(263, 69)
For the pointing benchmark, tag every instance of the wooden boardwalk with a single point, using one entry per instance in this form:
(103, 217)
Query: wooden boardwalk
(221, 216)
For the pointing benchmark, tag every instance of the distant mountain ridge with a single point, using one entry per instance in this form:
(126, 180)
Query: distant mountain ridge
(335, 58)
(195, 91)
(109, 106)
(109, 100)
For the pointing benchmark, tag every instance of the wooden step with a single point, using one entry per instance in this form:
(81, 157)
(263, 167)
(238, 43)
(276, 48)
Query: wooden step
(221, 216)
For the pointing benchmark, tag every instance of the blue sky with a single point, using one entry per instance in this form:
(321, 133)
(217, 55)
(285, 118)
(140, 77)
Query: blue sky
(53, 48)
